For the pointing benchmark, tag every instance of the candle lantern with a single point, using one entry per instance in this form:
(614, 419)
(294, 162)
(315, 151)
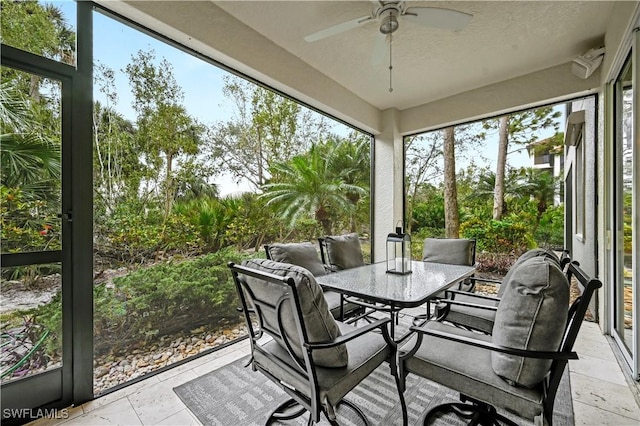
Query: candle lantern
(399, 252)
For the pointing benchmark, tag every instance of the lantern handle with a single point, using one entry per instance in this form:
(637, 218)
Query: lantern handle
(399, 229)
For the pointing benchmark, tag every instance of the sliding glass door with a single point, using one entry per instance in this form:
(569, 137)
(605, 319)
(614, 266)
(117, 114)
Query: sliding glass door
(625, 215)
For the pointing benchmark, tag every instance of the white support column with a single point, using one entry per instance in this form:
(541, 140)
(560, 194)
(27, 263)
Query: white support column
(388, 181)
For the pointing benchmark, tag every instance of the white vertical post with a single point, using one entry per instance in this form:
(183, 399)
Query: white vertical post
(388, 181)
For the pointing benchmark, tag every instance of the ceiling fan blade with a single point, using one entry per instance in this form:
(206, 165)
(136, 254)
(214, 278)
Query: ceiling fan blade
(337, 29)
(446, 19)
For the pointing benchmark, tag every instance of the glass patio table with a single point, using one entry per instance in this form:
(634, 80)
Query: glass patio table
(372, 283)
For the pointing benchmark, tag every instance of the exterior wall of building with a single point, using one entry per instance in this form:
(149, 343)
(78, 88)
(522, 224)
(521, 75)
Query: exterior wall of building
(582, 214)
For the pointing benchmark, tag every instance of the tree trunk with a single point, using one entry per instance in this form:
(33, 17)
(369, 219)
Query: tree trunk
(503, 145)
(353, 199)
(322, 216)
(451, 217)
(260, 162)
(168, 201)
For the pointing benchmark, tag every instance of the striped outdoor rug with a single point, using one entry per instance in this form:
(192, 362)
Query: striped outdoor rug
(235, 395)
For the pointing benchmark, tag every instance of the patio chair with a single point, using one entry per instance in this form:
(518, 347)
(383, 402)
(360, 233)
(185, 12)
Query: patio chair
(519, 367)
(313, 358)
(451, 251)
(477, 312)
(339, 252)
(306, 256)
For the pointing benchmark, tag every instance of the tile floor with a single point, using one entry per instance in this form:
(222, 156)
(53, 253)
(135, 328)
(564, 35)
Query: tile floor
(601, 395)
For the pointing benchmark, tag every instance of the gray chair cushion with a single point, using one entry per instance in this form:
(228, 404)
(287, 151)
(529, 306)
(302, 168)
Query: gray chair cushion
(477, 319)
(531, 315)
(451, 251)
(320, 325)
(365, 354)
(301, 254)
(467, 369)
(481, 319)
(344, 251)
(536, 252)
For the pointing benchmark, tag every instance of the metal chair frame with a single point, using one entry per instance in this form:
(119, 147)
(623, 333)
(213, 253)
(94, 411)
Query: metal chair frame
(482, 412)
(305, 366)
(443, 305)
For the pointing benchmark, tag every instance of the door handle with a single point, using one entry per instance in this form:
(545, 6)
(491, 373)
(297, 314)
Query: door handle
(68, 216)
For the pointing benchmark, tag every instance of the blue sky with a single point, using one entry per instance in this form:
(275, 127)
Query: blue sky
(116, 43)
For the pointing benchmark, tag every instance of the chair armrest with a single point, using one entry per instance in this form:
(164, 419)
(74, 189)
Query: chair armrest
(472, 295)
(351, 335)
(486, 280)
(553, 355)
(467, 304)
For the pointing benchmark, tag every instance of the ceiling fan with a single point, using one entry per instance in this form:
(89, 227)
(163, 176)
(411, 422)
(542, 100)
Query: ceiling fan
(389, 14)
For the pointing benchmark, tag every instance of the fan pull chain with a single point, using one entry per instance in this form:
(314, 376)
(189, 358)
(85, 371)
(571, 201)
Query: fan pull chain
(390, 62)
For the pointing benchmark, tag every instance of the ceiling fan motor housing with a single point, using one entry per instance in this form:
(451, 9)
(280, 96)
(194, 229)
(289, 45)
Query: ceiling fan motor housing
(389, 24)
(387, 15)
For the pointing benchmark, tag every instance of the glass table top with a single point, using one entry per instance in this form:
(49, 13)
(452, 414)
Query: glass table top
(373, 282)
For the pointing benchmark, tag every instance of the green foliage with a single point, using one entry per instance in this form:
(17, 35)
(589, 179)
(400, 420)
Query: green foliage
(429, 213)
(50, 317)
(523, 127)
(139, 234)
(497, 236)
(26, 225)
(29, 144)
(167, 134)
(266, 128)
(308, 184)
(550, 232)
(164, 299)
(37, 28)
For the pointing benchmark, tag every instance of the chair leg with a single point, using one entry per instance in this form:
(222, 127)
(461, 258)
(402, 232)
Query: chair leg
(477, 412)
(403, 404)
(286, 411)
(332, 417)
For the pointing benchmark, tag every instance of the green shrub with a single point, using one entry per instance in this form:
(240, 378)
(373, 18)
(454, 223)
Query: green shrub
(138, 237)
(165, 299)
(429, 213)
(550, 231)
(27, 225)
(497, 236)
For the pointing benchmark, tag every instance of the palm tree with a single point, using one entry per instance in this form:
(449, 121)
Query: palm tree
(539, 185)
(29, 160)
(351, 161)
(307, 185)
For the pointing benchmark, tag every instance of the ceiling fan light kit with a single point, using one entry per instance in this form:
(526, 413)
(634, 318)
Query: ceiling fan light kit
(389, 24)
(389, 14)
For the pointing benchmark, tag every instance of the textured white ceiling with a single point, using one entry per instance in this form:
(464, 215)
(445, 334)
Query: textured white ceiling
(503, 40)
(511, 54)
